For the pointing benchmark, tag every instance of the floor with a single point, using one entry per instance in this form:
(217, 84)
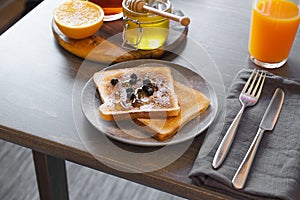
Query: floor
(10, 12)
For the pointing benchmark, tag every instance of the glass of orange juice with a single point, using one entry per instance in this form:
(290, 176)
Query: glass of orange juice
(273, 28)
(112, 9)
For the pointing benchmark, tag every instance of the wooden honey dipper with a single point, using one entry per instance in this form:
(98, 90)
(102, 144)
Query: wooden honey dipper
(141, 6)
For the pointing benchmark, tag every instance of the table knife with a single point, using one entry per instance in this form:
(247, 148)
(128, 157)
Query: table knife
(267, 124)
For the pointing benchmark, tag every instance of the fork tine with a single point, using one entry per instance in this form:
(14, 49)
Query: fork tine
(261, 85)
(248, 82)
(252, 84)
(257, 84)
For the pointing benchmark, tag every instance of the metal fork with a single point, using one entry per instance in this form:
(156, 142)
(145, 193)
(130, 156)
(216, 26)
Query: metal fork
(248, 97)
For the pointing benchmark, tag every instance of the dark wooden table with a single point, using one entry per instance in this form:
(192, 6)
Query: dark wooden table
(37, 79)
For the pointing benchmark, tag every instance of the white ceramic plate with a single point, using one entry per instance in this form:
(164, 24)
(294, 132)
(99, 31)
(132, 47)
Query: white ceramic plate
(131, 133)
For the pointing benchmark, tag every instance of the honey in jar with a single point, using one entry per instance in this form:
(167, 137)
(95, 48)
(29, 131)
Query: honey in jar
(144, 30)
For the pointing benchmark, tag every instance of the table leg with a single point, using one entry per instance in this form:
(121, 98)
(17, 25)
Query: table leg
(51, 177)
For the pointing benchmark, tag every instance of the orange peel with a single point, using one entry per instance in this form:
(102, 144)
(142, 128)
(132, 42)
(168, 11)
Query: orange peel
(78, 19)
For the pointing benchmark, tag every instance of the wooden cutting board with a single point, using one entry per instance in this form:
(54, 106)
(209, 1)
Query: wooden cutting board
(106, 45)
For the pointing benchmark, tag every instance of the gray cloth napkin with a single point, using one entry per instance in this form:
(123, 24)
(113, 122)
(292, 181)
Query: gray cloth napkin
(275, 172)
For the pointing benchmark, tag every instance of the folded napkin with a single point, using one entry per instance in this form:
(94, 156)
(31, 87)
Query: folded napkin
(275, 172)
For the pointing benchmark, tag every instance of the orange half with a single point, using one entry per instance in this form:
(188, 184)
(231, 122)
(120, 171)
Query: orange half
(78, 19)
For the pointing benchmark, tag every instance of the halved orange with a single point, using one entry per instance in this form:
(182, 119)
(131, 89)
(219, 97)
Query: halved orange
(78, 18)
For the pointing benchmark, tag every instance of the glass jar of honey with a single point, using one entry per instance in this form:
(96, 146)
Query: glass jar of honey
(143, 30)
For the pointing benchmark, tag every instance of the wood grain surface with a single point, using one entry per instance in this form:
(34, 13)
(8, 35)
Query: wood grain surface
(38, 77)
(107, 44)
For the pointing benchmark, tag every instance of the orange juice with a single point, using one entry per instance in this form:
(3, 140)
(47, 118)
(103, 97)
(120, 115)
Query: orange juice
(112, 8)
(273, 28)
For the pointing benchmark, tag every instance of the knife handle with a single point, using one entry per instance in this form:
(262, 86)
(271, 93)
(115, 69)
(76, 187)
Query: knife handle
(227, 140)
(241, 174)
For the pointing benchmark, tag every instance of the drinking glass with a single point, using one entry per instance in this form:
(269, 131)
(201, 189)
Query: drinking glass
(112, 9)
(273, 28)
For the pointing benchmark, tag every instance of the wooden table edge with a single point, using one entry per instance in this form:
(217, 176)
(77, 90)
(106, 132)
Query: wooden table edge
(149, 179)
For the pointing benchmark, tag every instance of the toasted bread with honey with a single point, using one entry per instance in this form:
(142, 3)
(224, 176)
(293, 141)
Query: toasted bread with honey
(192, 103)
(138, 92)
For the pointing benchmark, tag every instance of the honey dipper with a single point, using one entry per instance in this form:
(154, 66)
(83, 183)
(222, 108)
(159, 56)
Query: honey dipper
(141, 6)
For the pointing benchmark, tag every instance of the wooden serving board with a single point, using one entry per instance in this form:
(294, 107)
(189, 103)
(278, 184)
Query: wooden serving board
(106, 45)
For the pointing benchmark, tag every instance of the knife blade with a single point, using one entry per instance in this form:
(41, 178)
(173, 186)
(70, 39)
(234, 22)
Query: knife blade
(267, 124)
(271, 115)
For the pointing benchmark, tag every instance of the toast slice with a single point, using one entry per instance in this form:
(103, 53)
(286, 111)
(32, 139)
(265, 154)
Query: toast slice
(138, 92)
(192, 103)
